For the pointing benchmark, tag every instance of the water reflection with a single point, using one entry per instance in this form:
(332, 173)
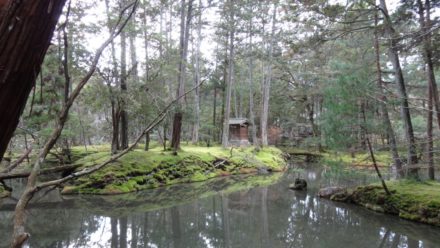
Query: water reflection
(266, 216)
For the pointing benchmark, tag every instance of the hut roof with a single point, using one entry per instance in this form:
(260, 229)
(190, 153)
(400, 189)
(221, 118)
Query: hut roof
(238, 121)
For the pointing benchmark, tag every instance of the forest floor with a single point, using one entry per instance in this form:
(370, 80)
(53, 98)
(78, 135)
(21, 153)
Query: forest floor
(141, 169)
(409, 199)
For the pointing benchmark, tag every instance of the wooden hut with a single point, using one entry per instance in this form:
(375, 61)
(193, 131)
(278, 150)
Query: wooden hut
(239, 132)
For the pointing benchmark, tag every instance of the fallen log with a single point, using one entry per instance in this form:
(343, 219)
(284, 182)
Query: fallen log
(23, 174)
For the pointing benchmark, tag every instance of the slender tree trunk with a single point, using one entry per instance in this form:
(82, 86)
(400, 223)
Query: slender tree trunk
(267, 83)
(425, 25)
(214, 115)
(26, 29)
(383, 106)
(115, 145)
(66, 73)
(251, 81)
(405, 111)
(123, 80)
(147, 141)
(184, 39)
(430, 147)
(196, 126)
(225, 134)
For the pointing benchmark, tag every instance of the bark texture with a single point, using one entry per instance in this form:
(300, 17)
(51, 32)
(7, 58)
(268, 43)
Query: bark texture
(26, 28)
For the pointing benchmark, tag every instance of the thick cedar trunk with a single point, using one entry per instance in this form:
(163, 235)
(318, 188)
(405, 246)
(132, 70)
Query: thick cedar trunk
(225, 134)
(383, 106)
(177, 128)
(405, 111)
(266, 85)
(26, 28)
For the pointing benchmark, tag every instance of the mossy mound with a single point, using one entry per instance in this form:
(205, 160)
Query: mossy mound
(140, 169)
(412, 200)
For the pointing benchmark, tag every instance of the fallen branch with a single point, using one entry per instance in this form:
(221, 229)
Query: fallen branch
(16, 163)
(22, 174)
(31, 190)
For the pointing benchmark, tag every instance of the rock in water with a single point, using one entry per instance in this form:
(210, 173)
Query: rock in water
(300, 184)
(329, 191)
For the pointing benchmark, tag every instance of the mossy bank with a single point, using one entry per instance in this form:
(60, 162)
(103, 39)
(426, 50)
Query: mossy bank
(170, 196)
(140, 169)
(3, 192)
(412, 200)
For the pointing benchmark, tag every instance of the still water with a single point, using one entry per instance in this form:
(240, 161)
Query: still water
(256, 211)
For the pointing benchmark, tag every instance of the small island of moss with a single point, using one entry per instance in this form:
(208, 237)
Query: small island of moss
(409, 199)
(139, 169)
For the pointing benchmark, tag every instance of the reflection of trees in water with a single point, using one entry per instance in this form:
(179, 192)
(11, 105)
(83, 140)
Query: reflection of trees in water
(259, 217)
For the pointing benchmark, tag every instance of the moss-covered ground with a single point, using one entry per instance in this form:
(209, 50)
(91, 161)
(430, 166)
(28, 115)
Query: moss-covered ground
(412, 200)
(138, 169)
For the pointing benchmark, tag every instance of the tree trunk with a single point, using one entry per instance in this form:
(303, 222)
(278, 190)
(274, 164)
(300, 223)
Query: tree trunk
(177, 126)
(196, 126)
(267, 83)
(405, 111)
(123, 80)
(425, 25)
(251, 82)
(225, 134)
(383, 106)
(147, 141)
(26, 29)
(115, 145)
(430, 147)
(184, 38)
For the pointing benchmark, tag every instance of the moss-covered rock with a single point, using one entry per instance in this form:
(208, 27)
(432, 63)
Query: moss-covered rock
(140, 169)
(412, 200)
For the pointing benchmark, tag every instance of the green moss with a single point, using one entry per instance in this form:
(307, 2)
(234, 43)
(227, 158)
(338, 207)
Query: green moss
(413, 200)
(3, 192)
(140, 169)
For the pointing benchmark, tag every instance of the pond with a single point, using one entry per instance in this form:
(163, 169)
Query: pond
(249, 211)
